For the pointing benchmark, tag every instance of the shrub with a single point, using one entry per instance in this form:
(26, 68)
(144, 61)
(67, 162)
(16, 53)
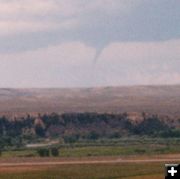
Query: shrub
(71, 138)
(170, 133)
(55, 152)
(93, 135)
(43, 152)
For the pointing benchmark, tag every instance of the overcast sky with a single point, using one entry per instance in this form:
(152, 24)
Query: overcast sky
(85, 43)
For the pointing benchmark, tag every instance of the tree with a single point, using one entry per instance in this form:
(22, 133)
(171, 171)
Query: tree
(40, 131)
(150, 126)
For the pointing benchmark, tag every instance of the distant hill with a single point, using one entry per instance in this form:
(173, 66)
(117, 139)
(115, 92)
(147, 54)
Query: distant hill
(163, 100)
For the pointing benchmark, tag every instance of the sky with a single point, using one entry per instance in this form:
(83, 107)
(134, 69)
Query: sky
(83, 43)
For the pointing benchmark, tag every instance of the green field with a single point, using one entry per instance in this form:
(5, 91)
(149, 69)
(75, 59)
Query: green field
(100, 171)
(120, 147)
(124, 147)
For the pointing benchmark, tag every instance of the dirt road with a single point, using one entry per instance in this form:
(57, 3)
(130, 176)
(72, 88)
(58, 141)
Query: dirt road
(74, 162)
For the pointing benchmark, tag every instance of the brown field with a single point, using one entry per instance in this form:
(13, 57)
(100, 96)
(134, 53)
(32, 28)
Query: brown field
(85, 171)
(106, 171)
(144, 167)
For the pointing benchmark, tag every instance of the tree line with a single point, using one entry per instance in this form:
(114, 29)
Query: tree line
(72, 127)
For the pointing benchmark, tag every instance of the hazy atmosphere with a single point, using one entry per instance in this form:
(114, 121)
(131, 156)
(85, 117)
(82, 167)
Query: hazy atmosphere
(80, 43)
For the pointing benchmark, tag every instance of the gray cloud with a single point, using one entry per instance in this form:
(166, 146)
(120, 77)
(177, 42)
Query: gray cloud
(57, 42)
(96, 23)
(71, 64)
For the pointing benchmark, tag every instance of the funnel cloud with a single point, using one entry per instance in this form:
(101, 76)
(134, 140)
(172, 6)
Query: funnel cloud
(80, 43)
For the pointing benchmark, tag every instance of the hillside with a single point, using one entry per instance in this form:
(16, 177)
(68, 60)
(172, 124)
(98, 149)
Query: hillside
(163, 100)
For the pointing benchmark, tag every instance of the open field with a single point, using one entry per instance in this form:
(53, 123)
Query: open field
(137, 170)
(131, 167)
(118, 147)
(86, 172)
